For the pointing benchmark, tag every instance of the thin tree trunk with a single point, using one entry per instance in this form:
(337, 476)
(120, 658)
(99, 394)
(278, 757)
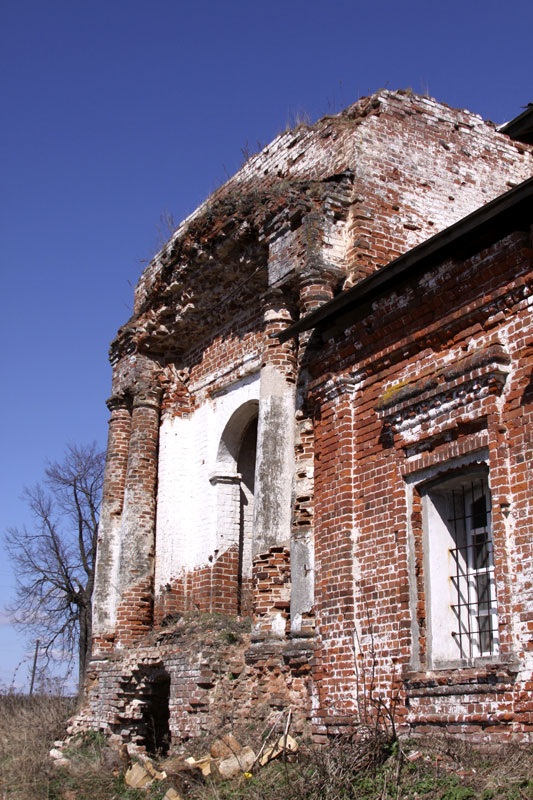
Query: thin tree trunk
(84, 646)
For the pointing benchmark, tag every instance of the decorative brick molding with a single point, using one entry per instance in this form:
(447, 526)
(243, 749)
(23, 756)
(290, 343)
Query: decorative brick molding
(410, 404)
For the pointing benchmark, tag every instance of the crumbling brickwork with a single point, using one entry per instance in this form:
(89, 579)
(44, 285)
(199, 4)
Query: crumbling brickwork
(332, 316)
(215, 681)
(206, 589)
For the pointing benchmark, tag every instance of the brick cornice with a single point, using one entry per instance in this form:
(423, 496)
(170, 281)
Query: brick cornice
(336, 387)
(118, 401)
(472, 377)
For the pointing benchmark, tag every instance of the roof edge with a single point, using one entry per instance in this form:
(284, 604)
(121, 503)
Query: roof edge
(521, 127)
(484, 223)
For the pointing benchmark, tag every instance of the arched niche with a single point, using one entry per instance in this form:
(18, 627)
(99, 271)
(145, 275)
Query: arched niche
(234, 478)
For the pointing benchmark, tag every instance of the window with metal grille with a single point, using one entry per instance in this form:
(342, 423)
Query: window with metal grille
(473, 576)
(463, 622)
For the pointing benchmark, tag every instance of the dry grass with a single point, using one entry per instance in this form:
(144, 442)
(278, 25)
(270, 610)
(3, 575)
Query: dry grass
(377, 769)
(347, 769)
(28, 726)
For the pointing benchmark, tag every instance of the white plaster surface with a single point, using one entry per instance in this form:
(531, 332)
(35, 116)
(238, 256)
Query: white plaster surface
(186, 526)
(107, 588)
(275, 463)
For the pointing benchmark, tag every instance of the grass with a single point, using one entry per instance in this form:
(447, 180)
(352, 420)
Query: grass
(28, 727)
(348, 770)
(374, 769)
(214, 628)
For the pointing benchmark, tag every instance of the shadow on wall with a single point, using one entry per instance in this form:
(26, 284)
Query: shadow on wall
(235, 479)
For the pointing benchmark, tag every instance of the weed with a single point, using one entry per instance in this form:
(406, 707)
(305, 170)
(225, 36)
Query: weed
(230, 637)
(87, 745)
(367, 768)
(458, 793)
(298, 119)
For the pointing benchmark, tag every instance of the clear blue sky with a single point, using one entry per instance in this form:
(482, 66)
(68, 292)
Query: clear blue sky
(116, 112)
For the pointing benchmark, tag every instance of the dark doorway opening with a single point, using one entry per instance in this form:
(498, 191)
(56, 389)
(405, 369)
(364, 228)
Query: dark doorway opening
(156, 715)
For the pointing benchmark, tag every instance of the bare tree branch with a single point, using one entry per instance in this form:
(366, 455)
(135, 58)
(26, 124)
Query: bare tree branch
(54, 561)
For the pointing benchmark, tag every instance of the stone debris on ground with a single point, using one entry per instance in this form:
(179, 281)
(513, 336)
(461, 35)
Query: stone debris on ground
(139, 776)
(157, 775)
(59, 743)
(226, 759)
(203, 764)
(172, 794)
(225, 746)
(285, 744)
(173, 765)
(58, 757)
(234, 765)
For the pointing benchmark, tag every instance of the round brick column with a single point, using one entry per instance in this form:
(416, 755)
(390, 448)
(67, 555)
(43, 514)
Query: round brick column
(315, 290)
(105, 594)
(136, 562)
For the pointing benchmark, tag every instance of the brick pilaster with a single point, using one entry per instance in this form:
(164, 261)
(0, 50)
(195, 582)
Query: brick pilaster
(275, 466)
(136, 564)
(334, 564)
(315, 290)
(105, 594)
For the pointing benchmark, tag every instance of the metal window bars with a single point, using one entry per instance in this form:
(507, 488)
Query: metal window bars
(473, 570)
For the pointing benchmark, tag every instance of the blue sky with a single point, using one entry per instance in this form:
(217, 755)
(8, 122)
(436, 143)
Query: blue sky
(117, 112)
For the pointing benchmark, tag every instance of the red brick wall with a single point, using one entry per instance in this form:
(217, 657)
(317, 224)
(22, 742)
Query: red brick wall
(271, 576)
(213, 588)
(334, 582)
(135, 607)
(440, 369)
(418, 166)
(135, 612)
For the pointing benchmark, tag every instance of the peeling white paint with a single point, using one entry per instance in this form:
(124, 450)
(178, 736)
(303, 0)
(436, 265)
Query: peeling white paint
(186, 527)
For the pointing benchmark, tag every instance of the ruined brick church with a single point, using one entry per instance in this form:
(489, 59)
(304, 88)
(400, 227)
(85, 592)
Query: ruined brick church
(321, 422)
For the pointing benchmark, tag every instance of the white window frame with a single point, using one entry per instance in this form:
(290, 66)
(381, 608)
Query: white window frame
(461, 607)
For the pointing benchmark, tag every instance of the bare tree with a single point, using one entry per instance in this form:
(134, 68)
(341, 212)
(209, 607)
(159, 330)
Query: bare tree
(54, 560)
